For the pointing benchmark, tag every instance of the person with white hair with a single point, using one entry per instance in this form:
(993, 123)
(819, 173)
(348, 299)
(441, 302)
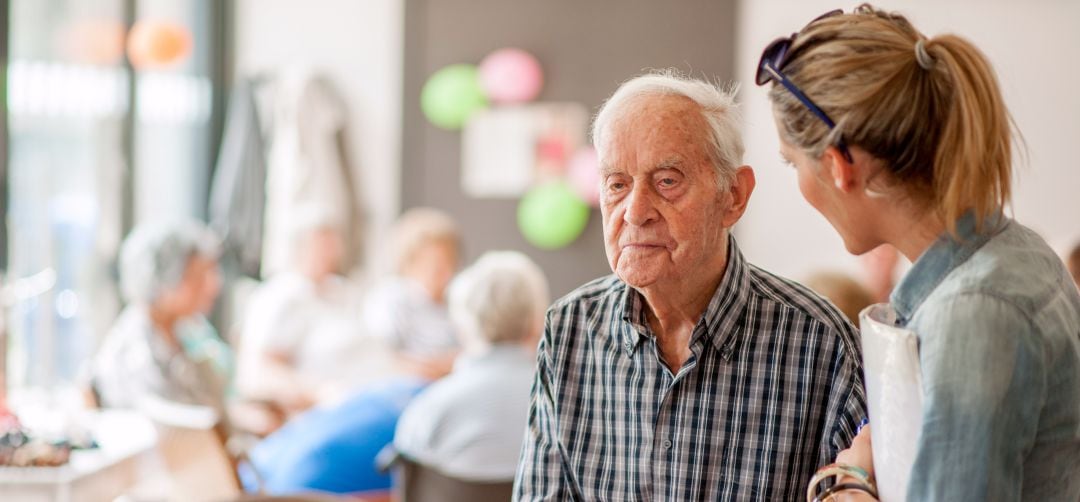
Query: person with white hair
(689, 374)
(408, 310)
(161, 347)
(468, 425)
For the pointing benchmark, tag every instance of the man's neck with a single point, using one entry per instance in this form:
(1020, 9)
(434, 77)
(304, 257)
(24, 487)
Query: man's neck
(674, 308)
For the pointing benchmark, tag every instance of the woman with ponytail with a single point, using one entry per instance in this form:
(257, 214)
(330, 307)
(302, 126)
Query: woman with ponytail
(901, 139)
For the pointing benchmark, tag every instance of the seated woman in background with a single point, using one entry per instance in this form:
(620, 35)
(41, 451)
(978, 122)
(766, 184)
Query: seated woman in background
(469, 425)
(161, 348)
(409, 310)
(302, 340)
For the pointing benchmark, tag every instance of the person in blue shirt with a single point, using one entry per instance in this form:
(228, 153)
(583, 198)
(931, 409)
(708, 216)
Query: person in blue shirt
(901, 139)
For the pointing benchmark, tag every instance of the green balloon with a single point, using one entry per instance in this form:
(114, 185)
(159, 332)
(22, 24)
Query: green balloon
(552, 216)
(451, 95)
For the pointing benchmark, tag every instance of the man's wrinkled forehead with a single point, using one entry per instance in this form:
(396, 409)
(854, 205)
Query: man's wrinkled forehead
(650, 118)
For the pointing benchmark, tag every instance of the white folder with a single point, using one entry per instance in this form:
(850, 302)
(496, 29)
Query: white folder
(894, 397)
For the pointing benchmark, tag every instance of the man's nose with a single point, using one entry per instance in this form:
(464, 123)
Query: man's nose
(640, 208)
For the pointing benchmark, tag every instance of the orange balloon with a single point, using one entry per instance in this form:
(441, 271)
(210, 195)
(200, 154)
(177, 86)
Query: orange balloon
(156, 44)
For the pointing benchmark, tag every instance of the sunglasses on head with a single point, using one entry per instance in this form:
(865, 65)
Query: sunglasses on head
(770, 69)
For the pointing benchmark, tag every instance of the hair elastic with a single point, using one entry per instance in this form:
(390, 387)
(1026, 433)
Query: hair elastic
(923, 57)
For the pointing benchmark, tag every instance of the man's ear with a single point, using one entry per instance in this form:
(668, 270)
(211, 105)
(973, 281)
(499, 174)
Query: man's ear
(840, 171)
(741, 189)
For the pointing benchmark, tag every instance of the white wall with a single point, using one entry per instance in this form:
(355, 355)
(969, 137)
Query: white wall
(1032, 46)
(359, 46)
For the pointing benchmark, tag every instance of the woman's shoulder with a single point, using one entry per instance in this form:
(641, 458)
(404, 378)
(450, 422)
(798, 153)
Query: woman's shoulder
(1016, 267)
(1013, 283)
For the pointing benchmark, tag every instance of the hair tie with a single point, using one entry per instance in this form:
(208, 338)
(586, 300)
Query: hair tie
(923, 57)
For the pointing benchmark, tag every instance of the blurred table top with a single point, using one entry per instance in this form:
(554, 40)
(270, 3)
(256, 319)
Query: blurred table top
(102, 473)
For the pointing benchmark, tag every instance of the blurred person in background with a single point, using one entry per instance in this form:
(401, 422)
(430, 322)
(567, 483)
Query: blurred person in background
(846, 293)
(901, 139)
(302, 340)
(409, 310)
(468, 425)
(161, 346)
(1074, 264)
(333, 448)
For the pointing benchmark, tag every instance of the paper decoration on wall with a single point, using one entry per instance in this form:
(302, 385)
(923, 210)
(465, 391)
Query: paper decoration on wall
(506, 150)
(511, 76)
(452, 95)
(583, 174)
(551, 216)
(155, 44)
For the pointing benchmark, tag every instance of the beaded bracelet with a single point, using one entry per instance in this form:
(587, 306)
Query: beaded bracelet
(842, 487)
(837, 470)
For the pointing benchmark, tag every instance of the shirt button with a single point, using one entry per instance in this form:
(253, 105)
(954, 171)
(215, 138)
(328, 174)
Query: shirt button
(667, 444)
(628, 345)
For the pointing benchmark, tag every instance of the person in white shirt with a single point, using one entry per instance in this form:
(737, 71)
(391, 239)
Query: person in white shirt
(302, 341)
(469, 425)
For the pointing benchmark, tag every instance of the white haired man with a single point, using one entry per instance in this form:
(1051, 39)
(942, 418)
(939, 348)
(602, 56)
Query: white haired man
(689, 374)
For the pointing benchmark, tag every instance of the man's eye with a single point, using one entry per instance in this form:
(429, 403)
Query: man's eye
(668, 182)
(615, 186)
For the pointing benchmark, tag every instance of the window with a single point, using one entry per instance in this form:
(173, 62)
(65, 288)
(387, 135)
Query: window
(103, 133)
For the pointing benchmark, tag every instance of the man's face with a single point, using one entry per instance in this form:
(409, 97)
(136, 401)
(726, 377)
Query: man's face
(660, 199)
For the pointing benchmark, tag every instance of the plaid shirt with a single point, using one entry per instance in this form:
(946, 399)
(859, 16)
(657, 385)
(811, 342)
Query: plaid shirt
(772, 391)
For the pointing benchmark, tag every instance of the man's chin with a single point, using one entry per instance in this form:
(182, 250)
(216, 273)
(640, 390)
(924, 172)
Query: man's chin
(637, 279)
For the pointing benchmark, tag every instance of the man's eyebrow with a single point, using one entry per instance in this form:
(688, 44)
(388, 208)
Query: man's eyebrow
(669, 163)
(607, 169)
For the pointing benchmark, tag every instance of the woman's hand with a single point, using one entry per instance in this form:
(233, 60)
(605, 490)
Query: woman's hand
(859, 454)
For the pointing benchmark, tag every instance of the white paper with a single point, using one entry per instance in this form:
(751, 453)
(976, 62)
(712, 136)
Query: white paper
(894, 397)
(498, 152)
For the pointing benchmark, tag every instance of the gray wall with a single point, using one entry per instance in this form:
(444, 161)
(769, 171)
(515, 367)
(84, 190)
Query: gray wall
(586, 47)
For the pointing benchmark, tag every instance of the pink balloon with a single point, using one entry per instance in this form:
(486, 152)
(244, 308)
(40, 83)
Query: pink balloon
(511, 76)
(584, 175)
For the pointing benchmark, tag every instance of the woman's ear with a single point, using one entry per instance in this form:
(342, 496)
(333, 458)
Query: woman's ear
(842, 171)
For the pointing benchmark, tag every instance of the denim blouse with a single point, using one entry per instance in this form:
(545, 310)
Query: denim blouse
(998, 322)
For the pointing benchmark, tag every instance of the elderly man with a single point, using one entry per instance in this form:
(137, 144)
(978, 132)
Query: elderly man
(689, 374)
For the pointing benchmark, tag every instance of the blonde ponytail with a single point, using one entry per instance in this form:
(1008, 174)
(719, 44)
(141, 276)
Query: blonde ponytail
(973, 161)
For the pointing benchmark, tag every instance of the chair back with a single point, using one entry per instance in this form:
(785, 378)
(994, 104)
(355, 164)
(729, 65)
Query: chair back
(419, 483)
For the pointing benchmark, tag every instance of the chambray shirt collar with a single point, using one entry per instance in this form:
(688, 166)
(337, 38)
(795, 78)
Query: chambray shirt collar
(944, 255)
(720, 320)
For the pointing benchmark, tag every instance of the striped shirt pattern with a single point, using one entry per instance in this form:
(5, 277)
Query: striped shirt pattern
(772, 391)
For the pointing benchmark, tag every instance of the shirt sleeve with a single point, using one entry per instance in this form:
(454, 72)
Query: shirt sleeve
(540, 473)
(983, 388)
(847, 402)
